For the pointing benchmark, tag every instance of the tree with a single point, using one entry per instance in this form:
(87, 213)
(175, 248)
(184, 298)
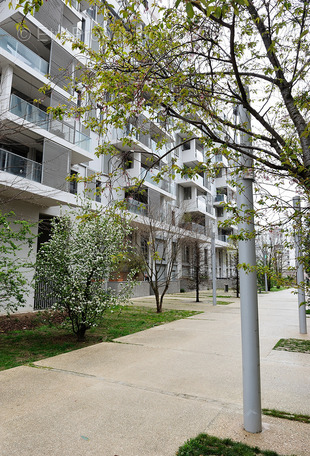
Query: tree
(196, 68)
(196, 245)
(84, 249)
(272, 252)
(15, 236)
(159, 242)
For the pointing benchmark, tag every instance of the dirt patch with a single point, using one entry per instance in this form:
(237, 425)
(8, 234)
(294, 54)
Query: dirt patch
(30, 320)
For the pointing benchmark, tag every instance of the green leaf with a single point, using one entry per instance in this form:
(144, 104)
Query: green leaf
(190, 10)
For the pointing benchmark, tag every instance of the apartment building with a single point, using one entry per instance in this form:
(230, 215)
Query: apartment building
(38, 152)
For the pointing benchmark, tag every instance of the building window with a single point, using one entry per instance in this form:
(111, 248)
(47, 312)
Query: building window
(98, 191)
(206, 256)
(73, 188)
(219, 211)
(187, 193)
(186, 254)
(144, 248)
(186, 146)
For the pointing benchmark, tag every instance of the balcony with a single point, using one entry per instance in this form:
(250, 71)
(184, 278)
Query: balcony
(195, 205)
(219, 158)
(191, 153)
(136, 207)
(20, 166)
(22, 53)
(219, 200)
(123, 137)
(194, 227)
(148, 176)
(32, 114)
(186, 181)
(29, 112)
(223, 238)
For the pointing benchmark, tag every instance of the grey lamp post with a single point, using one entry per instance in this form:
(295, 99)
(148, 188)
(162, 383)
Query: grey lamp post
(300, 276)
(213, 256)
(252, 415)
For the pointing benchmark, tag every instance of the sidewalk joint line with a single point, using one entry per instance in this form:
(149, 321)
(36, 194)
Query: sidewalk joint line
(186, 396)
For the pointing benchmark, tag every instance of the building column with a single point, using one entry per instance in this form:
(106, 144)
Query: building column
(5, 88)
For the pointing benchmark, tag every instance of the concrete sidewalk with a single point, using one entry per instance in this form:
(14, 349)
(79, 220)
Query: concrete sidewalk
(151, 391)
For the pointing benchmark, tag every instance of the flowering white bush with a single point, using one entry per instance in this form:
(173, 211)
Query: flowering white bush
(84, 249)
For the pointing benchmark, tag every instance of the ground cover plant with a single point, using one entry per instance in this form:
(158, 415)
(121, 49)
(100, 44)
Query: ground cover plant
(293, 345)
(205, 444)
(24, 339)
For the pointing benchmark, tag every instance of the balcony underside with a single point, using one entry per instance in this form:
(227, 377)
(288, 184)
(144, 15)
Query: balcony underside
(17, 188)
(30, 134)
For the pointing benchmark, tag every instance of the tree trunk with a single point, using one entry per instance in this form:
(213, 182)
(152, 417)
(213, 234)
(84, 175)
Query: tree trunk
(197, 284)
(197, 270)
(81, 332)
(158, 302)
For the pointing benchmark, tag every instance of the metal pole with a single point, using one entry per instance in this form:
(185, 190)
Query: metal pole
(300, 275)
(252, 413)
(213, 256)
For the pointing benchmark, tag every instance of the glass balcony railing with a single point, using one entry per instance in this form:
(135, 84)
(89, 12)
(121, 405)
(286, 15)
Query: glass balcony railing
(31, 113)
(24, 54)
(218, 158)
(136, 207)
(220, 198)
(82, 140)
(148, 177)
(20, 166)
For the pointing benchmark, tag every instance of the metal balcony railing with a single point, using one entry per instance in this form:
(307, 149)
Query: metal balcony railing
(20, 166)
(24, 54)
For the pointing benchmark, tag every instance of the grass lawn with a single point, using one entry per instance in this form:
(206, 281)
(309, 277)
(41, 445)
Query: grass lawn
(278, 288)
(29, 345)
(287, 415)
(205, 444)
(293, 345)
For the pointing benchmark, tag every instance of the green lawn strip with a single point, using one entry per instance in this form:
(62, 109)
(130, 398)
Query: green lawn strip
(308, 311)
(293, 345)
(224, 303)
(27, 346)
(287, 415)
(205, 444)
(278, 288)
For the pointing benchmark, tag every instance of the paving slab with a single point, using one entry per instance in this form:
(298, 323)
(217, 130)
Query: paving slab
(146, 393)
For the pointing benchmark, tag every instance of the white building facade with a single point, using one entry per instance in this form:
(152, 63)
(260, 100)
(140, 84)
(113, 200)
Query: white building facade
(38, 152)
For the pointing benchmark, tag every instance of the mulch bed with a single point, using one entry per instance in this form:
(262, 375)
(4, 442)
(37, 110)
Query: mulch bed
(30, 320)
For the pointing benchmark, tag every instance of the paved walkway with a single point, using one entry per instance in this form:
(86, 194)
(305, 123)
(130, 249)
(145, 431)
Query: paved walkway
(148, 393)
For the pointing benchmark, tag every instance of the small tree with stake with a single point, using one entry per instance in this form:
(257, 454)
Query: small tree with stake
(76, 263)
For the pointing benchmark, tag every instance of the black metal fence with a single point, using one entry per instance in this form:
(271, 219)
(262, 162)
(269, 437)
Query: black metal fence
(43, 297)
